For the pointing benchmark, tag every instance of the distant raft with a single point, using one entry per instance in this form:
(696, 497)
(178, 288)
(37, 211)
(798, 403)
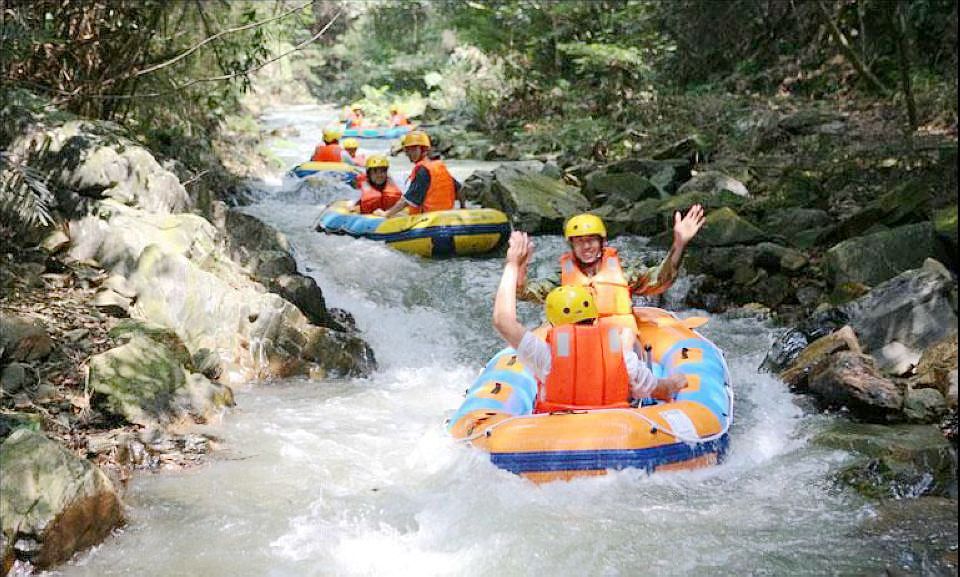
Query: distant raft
(377, 132)
(433, 234)
(314, 168)
(689, 432)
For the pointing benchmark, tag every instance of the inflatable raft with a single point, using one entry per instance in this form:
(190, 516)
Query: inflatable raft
(313, 168)
(377, 132)
(689, 432)
(433, 234)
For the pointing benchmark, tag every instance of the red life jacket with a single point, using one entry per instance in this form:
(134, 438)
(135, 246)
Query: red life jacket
(442, 192)
(354, 120)
(372, 198)
(610, 289)
(587, 370)
(328, 153)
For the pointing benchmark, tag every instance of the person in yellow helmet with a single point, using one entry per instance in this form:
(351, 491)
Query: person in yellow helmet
(582, 363)
(330, 150)
(352, 146)
(377, 189)
(590, 262)
(397, 118)
(355, 118)
(430, 186)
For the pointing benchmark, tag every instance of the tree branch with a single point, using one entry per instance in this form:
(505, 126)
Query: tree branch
(848, 51)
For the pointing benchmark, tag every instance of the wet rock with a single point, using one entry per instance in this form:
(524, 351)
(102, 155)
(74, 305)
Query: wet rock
(713, 182)
(796, 375)
(22, 340)
(924, 405)
(143, 382)
(912, 310)
(849, 380)
(895, 461)
(53, 502)
(724, 227)
(303, 292)
(207, 363)
(786, 347)
(877, 257)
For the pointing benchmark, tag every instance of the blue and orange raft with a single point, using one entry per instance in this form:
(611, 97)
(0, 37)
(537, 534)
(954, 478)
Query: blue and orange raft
(689, 432)
(434, 234)
(377, 131)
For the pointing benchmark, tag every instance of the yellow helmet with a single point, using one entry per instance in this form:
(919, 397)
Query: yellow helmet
(378, 161)
(350, 143)
(394, 108)
(570, 304)
(584, 225)
(356, 106)
(332, 133)
(416, 138)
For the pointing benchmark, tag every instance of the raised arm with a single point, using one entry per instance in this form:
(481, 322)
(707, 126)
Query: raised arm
(505, 304)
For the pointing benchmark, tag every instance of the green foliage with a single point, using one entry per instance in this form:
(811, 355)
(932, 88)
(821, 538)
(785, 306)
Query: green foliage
(25, 199)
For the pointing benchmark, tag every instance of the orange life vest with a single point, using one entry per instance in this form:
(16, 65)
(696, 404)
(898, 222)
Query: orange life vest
(587, 370)
(327, 153)
(610, 289)
(442, 192)
(399, 120)
(372, 198)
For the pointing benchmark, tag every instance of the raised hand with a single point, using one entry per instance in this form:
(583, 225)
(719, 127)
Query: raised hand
(519, 248)
(687, 226)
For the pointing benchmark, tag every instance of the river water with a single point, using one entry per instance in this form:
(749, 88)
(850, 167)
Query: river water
(358, 477)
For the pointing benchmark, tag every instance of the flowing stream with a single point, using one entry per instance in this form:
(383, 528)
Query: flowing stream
(358, 477)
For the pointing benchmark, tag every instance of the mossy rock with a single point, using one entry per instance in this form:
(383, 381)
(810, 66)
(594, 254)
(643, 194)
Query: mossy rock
(874, 258)
(724, 227)
(894, 461)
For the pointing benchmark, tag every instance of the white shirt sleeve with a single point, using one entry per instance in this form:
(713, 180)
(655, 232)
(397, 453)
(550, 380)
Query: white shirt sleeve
(642, 381)
(535, 355)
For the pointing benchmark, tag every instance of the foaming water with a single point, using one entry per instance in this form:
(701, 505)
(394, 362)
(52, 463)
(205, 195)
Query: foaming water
(358, 477)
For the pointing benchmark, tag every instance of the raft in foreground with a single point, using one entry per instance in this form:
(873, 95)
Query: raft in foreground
(689, 432)
(433, 234)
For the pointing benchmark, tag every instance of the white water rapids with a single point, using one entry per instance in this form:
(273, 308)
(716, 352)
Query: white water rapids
(358, 477)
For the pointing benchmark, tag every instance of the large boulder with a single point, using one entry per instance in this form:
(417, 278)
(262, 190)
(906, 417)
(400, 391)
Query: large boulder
(146, 383)
(850, 380)
(800, 226)
(876, 257)
(900, 318)
(937, 363)
(536, 203)
(116, 236)
(256, 333)
(52, 503)
(91, 161)
(620, 190)
(796, 375)
(945, 223)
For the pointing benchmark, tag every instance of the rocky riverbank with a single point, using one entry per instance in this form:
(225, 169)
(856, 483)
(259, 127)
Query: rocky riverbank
(832, 225)
(125, 329)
